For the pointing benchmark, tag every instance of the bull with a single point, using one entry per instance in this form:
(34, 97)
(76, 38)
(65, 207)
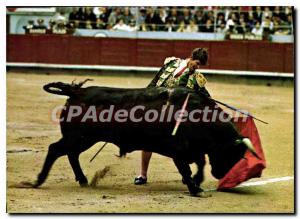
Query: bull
(219, 140)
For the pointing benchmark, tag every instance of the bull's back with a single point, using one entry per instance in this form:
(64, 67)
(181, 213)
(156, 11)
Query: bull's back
(152, 99)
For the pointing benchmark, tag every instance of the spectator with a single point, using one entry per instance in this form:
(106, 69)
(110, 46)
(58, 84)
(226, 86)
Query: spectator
(132, 25)
(279, 13)
(121, 26)
(244, 13)
(268, 28)
(114, 16)
(40, 24)
(100, 24)
(257, 30)
(186, 17)
(142, 16)
(97, 11)
(80, 23)
(288, 11)
(266, 13)
(191, 27)
(51, 25)
(251, 21)
(59, 28)
(227, 13)
(276, 18)
(220, 19)
(277, 29)
(267, 24)
(161, 18)
(221, 28)
(209, 27)
(200, 19)
(152, 20)
(210, 15)
(242, 27)
(143, 27)
(162, 14)
(231, 21)
(235, 19)
(89, 25)
(288, 24)
(104, 15)
(60, 17)
(70, 28)
(74, 15)
(90, 18)
(127, 16)
(170, 26)
(29, 26)
(173, 16)
(257, 14)
(181, 27)
(241, 16)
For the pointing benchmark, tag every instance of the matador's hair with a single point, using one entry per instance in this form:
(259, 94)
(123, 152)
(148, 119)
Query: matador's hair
(200, 54)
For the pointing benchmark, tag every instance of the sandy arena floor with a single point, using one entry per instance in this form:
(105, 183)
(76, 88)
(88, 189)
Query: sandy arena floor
(30, 131)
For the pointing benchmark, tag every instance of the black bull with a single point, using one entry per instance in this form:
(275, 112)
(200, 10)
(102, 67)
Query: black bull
(218, 139)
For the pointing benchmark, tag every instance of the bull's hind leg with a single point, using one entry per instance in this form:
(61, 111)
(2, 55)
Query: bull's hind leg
(80, 145)
(79, 175)
(55, 151)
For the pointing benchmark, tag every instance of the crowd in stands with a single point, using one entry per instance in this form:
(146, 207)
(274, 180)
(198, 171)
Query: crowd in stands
(240, 20)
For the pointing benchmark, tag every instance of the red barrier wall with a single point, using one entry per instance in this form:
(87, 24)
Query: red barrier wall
(225, 55)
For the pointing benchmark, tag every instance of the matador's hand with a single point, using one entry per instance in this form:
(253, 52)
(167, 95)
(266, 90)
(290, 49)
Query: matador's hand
(193, 65)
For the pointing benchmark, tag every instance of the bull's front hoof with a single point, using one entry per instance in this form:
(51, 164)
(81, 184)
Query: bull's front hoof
(197, 180)
(84, 184)
(36, 185)
(202, 195)
(27, 185)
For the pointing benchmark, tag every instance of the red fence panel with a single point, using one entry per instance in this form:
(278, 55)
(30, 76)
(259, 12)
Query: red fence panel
(265, 56)
(51, 49)
(289, 58)
(229, 55)
(20, 48)
(153, 52)
(117, 51)
(225, 55)
(84, 51)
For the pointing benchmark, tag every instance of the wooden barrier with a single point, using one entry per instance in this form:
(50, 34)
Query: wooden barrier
(225, 55)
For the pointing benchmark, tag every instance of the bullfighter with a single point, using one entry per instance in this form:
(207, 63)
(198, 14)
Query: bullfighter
(177, 72)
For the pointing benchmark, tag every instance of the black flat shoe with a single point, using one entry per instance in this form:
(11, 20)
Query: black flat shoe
(140, 180)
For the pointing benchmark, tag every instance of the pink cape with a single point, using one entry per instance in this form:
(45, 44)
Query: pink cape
(249, 166)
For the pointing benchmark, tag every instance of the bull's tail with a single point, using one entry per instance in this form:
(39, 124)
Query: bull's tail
(58, 88)
(61, 88)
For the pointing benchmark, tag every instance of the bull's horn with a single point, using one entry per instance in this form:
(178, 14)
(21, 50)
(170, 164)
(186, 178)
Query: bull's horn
(248, 143)
(250, 146)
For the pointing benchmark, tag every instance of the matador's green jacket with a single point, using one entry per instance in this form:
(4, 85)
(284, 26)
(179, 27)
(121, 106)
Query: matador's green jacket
(164, 78)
